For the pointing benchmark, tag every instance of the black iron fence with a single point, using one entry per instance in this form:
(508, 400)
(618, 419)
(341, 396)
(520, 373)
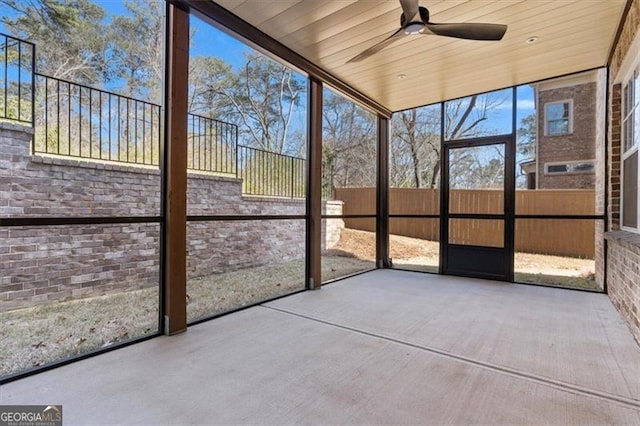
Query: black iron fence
(17, 73)
(76, 120)
(270, 174)
(211, 144)
(80, 121)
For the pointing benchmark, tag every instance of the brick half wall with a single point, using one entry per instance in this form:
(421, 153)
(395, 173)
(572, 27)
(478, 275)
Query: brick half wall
(44, 264)
(623, 276)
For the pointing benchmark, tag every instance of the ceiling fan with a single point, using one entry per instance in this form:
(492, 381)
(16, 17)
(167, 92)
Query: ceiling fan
(415, 21)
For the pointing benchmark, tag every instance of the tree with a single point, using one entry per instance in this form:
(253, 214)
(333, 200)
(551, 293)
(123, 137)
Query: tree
(137, 49)
(527, 136)
(480, 167)
(348, 144)
(263, 98)
(210, 79)
(465, 118)
(416, 137)
(65, 31)
(415, 145)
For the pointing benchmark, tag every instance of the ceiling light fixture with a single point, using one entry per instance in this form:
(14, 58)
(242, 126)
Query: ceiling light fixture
(532, 39)
(414, 28)
(402, 76)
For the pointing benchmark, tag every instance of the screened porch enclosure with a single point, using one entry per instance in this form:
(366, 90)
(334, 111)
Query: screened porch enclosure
(251, 200)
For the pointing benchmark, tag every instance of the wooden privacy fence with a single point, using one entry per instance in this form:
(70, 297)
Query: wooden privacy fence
(563, 237)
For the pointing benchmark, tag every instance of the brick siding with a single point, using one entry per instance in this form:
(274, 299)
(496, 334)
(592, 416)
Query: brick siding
(623, 265)
(579, 145)
(615, 135)
(623, 260)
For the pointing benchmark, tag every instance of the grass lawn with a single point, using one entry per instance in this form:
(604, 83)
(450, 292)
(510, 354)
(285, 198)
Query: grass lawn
(32, 337)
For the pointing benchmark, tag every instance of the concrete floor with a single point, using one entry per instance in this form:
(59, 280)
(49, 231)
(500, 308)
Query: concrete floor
(383, 347)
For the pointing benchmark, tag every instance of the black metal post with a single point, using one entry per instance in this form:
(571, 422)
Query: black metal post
(382, 195)
(314, 187)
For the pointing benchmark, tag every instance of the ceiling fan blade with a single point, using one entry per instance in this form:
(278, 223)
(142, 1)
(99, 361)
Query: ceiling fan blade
(469, 31)
(409, 8)
(378, 47)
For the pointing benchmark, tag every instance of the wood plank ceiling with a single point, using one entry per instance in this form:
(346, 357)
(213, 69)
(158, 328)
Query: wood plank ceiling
(573, 35)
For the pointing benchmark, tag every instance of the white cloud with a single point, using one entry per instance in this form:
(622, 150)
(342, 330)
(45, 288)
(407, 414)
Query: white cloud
(522, 104)
(526, 104)
(504, 105)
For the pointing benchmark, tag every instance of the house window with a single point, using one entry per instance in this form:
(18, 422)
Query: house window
(558, 118)
(630, 129)
(570, 167)
(557, 168)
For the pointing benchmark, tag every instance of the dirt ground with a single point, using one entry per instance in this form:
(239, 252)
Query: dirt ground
(414, 253)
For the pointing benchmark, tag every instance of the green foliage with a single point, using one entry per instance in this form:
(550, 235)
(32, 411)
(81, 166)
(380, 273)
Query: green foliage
(349, 144)
(136, 49)
(14, 107)
(273, 175)
(263, 98)
(210, 79)
(527, 136)
(66, 30)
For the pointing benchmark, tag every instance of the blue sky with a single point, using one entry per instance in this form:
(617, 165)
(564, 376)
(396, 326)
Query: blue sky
(206, 39)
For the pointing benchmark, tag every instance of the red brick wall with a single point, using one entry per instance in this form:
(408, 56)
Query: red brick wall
(623, 248)
(615, 120)
(576, 146)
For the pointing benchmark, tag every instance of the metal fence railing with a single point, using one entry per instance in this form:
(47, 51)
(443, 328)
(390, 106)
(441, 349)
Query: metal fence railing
(80, 121)
(211, 144)
(17, 73)
(270, 174)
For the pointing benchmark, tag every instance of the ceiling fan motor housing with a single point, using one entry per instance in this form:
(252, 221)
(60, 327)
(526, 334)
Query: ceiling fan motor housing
(414, 27)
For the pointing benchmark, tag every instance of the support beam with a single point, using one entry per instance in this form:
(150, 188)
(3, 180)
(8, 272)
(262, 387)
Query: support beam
(314, 186)
(175, 172)
(382, 195)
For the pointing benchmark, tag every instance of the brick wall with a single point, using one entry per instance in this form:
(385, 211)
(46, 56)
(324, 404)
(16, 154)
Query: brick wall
(624, 276)
(41, 264)
(623, 248)
(216, 247)
(615, 141)
(579, 145)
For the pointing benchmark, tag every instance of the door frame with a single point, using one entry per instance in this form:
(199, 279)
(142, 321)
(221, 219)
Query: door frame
(483, 255)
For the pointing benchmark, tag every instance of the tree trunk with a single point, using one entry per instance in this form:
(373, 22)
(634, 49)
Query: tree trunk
(436, 171)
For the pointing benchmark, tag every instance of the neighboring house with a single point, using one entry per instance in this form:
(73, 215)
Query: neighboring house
(566, 134)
